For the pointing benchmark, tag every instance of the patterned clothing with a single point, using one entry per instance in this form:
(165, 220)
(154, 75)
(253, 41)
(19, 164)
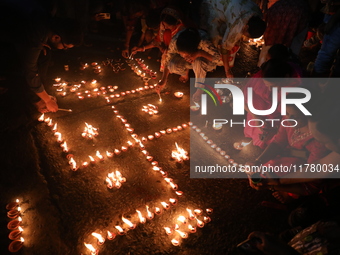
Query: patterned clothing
(285, 19)
(200, 66)
(226, 19)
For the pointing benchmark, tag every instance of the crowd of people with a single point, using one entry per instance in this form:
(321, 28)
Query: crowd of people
(202, 35)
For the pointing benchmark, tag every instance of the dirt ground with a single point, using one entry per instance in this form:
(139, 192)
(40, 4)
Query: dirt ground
(61, 207)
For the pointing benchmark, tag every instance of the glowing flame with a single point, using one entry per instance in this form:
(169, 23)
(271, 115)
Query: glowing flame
(109, 182)
(179, 193)
(42, 117)
(165, 205)
(92, 159)
(73, 163)
(148, 213)
(22, 239)
(168, 230)
(19, 219)
(64, 146)
(20, 229)
(173, 201)
(175, 242)
(191, 215)
(179, 154)
(198, 211)
(91, 248)
(182, 219)
(59, 137)
(110, 235)
(173, 186)
(158, 210)
(182, 234)
(150, 108)
(120, 229)
(129, 223)
(191, 228)
(109, 154)
(101, 240)
(89, 131)
(141, 218)
(200, 223)
(99, 155)
(55, 127)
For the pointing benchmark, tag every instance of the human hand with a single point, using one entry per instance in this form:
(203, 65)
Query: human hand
(51, 105)
(135, 49)
(125, 53)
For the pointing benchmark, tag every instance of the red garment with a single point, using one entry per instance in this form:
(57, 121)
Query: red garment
(262, 100)
(290, 138)
(285, 19)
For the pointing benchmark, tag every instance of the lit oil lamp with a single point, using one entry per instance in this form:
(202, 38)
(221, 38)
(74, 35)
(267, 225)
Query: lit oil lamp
(64, 146)
(72, 162)
(55, 127)
(175, 242)
(200, 223)
(111, 235)
(240, 145)
(89, 131)
(57, 79)
(129, 223)
(179, 193)
(99, 237)
(158, 210)
(206, 219)
(16, 245)
(13, 205)
(91, 249)
(179, 154)
(165, 205)
(182, 234)
(198, 211)
(179, 94)
(168, 230)
(92, 160)
(14, 213)
(14, 224)
(182, 219)
(149, 215)
(120, 230)
(191, 215)
(173, 201)
(142, 219)
(41, 118)
(192, 229)
(15, 234)
(99, 156)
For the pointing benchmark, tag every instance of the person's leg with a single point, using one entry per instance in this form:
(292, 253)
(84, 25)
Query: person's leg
(179, 66)
(325, 57)
(263, 55)
(298, 41)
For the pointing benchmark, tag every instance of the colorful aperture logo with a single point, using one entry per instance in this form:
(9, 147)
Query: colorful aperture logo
(212, 93)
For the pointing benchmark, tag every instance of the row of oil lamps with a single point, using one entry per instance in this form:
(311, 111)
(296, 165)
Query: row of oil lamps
(184, 225)
(14, 213)
(180, 155)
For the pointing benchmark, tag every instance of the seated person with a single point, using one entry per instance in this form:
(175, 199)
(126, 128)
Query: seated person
(293, 146)
(262, 97)
(190, 49)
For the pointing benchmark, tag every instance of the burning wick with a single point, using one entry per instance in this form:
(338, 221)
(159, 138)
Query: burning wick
(149, 214)
(158, 210)
(16, 245)
(110, 235)
(120, 230)
(165, 205)
(91, 249)
(191, 229)
(141, 218)
(200, 223)
(239, 146)
(168, 230)
(101, 240)
(179, 154)
(175, 242)
(182, 219)
(191, 215)
(129, 223)
(89, 131)
(173, 201)
(182, 234)
(160, 98)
